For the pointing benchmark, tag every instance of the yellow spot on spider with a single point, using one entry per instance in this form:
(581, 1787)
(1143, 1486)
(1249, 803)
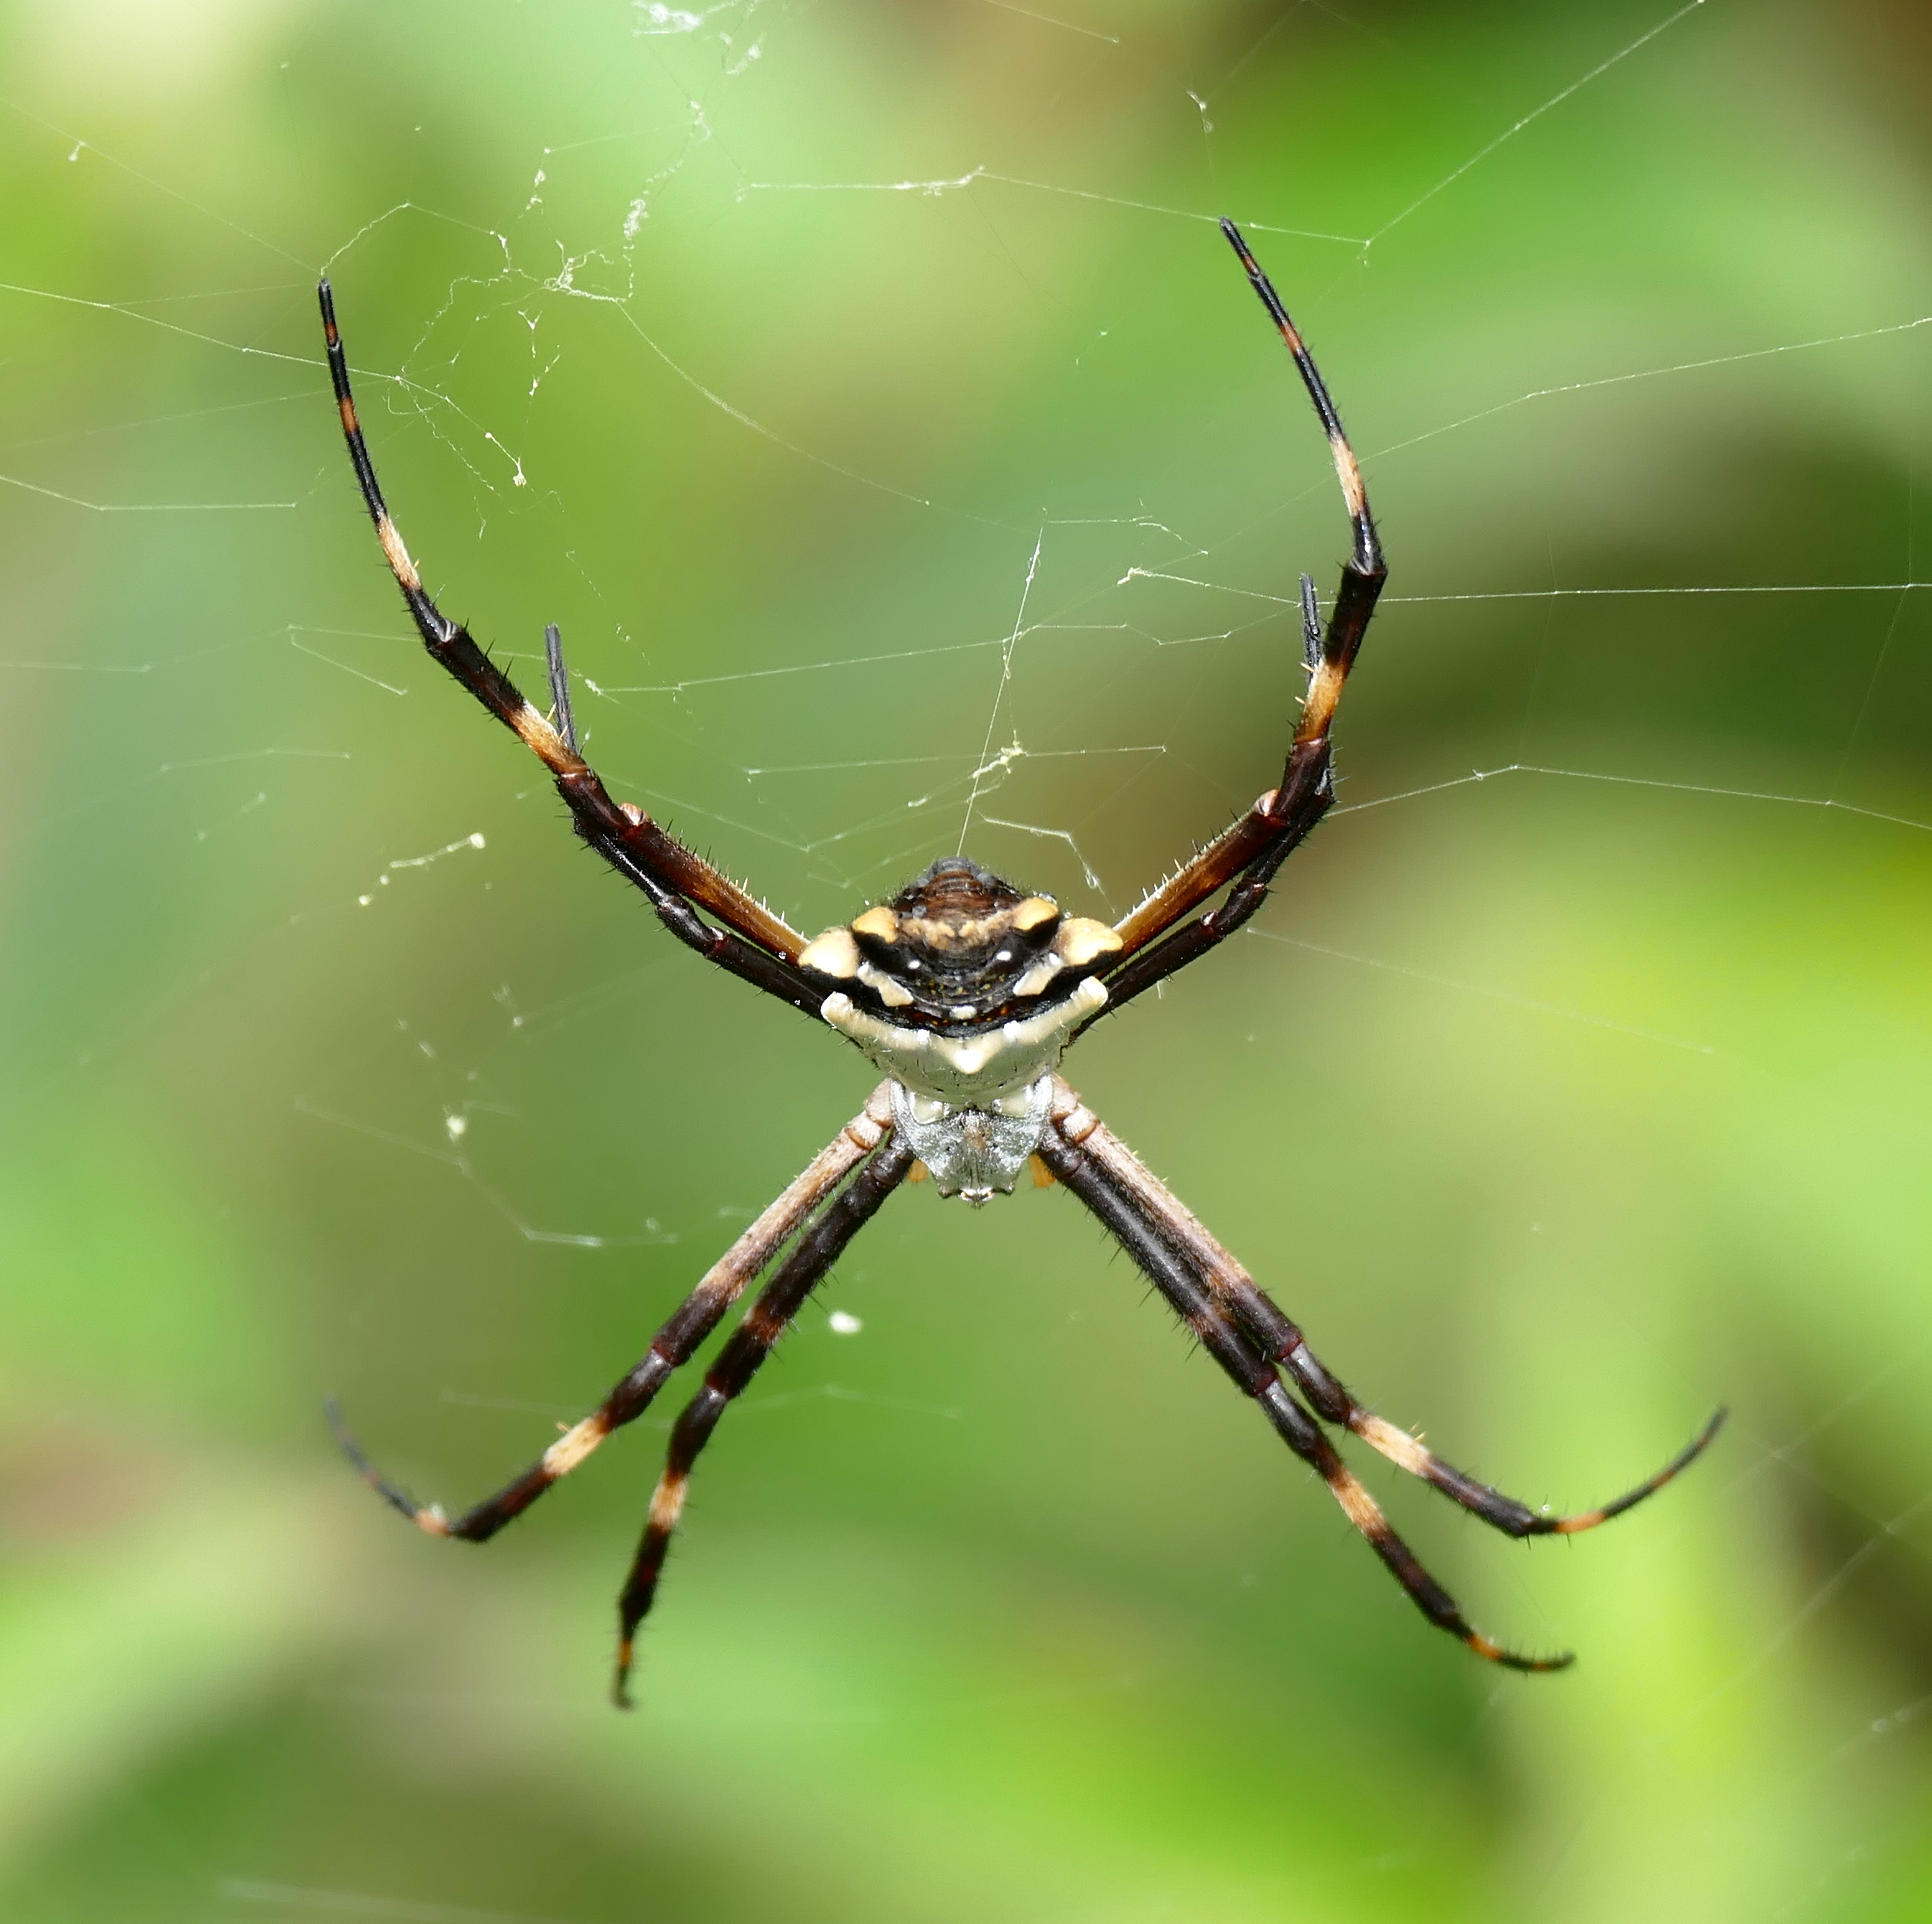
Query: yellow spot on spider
(1082, 940)
(574, 1445)
(880, 922)
(396, 554)
(833, 953)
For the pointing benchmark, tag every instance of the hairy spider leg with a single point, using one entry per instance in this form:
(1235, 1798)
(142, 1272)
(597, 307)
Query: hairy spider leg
(1255, 1375)
(672, 1346)
(1280, 1339)
(755, 945)
(748, 1345)
(1248, 854)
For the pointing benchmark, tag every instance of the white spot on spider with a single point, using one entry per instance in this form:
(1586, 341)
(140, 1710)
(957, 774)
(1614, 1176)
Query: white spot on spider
(967, 1072)
(843, 1322)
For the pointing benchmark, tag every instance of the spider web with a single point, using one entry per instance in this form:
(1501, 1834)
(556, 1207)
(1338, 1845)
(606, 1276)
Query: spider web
(868, 396)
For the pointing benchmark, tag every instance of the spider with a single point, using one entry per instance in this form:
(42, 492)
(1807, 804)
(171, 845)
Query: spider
(966, 992)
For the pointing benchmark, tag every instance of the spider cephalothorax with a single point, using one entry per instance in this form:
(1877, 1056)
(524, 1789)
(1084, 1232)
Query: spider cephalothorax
(967, 993)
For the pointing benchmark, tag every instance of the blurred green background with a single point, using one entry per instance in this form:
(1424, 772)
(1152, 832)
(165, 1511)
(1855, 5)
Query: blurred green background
(760, 346)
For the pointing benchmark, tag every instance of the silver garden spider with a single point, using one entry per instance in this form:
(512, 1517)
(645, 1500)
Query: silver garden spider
(966, 992)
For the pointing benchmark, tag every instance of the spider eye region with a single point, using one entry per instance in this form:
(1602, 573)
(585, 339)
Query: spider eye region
(960, 945)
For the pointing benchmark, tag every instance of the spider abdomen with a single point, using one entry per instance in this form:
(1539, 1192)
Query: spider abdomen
(973, 1152)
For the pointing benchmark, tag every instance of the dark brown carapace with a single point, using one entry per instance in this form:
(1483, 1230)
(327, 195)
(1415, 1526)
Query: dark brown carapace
(960, 946)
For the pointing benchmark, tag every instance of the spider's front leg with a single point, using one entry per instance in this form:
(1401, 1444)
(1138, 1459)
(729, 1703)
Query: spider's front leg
(755, 944)
(1247, 855)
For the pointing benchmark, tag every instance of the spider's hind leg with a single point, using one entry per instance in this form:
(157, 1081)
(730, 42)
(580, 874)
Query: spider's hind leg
(674, 1345)
(1280, 1339)
(1064, 1150)
(815, 1253)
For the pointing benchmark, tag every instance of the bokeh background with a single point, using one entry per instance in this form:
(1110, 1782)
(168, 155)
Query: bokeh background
(866, 391)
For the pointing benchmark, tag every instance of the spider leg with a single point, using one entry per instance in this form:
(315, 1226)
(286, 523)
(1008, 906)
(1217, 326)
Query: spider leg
(1281, 1341)
(1248, 854)
(760, 948)
(749, 1344)
(1252, 1372)
(694, 1319)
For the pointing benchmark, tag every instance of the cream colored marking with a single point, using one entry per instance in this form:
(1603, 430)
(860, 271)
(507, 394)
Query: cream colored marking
(936, 933)
(894, 994)
(1039, 975)
(1324, 690)
(538, 735)
(1398, 1445)
(880, 922)
(967, 1072)
(398, 555)
(667, 1503)
(964, 1012)
(1035, 910)
(1348, 472)
(1082, 939)
(574, 1445)
(927, 1109)
(431, 1521)
(1363, 1511)
(832, 954)
(632, 814)
(867, 1131)
(1074, 1120)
